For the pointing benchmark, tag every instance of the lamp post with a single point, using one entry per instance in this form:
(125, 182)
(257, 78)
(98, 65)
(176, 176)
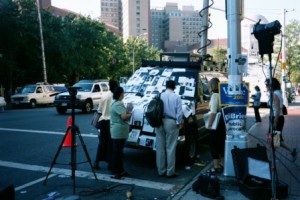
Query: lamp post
(283, 59)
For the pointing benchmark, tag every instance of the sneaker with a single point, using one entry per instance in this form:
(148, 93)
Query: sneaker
(173, 175)
(294, 154)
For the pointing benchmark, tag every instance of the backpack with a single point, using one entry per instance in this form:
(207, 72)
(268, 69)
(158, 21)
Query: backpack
(154, 112)
(208, 185)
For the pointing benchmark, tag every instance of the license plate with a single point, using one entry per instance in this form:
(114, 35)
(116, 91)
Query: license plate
(64, 104)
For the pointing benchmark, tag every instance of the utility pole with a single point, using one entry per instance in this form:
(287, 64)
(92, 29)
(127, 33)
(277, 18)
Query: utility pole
(42, 41)
(235, 137)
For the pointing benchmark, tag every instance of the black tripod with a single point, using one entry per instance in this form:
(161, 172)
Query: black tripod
(74, 131)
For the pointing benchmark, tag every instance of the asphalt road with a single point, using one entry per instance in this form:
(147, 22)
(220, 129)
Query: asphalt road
(30, 139)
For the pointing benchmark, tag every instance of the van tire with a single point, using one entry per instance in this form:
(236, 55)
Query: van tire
(32, 103)
(88, 106)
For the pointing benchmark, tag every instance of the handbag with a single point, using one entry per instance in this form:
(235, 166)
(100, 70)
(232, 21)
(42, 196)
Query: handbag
(216, 121)
(284, 110)
(95, 119)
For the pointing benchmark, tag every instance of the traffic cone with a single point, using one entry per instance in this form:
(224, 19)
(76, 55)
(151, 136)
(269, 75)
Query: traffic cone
(68, 138)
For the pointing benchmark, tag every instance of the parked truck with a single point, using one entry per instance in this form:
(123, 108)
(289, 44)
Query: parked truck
(191, 85)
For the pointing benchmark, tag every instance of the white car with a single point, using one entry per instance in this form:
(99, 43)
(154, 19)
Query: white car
(88, 95)
(33, 95)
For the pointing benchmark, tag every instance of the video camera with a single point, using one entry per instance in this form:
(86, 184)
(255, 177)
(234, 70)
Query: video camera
(265, 33)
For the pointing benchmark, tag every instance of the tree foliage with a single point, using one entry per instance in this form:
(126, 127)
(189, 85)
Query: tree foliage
(76, 47)
(292, 46)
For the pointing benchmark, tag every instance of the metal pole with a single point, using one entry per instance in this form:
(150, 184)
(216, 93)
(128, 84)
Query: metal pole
(234, 137)
(42, 41)
(133, 56)
(283, 59)
(204, 21)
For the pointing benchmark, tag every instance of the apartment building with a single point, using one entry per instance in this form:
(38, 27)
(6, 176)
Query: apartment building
(173, 29)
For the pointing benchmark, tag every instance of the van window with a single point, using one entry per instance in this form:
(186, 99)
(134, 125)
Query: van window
(104, 87)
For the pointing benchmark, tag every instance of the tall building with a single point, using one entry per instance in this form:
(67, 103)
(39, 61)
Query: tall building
(136, 19)
(173, 29)
(111, 13)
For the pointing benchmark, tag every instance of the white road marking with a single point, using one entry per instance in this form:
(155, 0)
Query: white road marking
(43, 132)
(33, 182)
(83, 174)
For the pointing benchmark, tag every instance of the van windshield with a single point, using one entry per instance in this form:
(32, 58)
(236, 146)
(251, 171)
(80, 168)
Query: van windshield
(28, 89)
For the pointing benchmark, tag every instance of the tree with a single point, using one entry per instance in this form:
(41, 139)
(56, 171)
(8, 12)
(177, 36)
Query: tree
(292, 52)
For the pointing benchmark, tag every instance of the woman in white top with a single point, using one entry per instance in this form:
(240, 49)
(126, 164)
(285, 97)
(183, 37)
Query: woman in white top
(277, 118)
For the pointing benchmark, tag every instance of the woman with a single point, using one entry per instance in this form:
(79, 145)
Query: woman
(119, 130)
(256, 103)
(216, 137)
(278, 118)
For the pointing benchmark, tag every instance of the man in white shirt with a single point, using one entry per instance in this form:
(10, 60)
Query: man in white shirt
(167, 133)
(104, 146)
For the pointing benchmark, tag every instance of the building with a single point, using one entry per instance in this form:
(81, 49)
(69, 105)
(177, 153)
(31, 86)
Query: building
(111, 13)
(136, 19)
(174, 30)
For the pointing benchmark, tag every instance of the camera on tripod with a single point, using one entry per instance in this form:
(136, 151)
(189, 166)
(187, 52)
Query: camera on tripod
(265, 33)
(73, 91)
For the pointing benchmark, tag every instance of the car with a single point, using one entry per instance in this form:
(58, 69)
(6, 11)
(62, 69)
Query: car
(32, 95)
(87, 98)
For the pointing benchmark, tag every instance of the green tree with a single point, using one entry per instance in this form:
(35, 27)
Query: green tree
(219, 54)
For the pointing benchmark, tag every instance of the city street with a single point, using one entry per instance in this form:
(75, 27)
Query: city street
(30, 138)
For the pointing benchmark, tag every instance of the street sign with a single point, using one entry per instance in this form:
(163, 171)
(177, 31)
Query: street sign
(227, 99)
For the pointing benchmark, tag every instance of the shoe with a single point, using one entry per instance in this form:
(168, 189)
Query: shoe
(173, 175)
(116, 176)
(294, 154)
(162, 175)
(218, 170)
(124, 173)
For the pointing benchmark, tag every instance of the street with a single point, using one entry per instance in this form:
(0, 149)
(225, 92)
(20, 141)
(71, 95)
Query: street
(30, 139)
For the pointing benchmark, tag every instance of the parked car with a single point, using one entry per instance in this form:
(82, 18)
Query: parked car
(88, 95)
(33, 95)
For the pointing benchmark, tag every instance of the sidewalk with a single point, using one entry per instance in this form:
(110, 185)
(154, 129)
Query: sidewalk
(288, 171)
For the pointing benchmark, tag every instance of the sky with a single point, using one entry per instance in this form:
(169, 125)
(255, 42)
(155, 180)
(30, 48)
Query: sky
(271, 9)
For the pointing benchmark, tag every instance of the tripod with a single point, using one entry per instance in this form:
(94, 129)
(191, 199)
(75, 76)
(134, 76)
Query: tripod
(74, 131)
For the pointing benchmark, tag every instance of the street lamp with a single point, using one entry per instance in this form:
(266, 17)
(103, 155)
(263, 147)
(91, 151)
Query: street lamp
(283, 61)
(143, 35)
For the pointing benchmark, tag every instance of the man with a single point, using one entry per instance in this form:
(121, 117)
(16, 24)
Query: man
(167, 133)
(104, 146)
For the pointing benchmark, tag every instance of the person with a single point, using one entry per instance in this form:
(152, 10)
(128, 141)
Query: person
(119, 130)
(216, 136)
(277, 119)
(167, 133)
(256, 103)
(104, 145)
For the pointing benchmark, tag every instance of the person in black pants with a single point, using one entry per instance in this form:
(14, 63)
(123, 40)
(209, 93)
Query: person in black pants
(105, 144)
(256, 103)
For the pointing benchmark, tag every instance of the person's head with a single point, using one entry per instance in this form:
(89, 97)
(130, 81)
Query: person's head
(118, 93)
(213, 85)
(257, 88)
(112, 85)
(170, 84)
(275, 85)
